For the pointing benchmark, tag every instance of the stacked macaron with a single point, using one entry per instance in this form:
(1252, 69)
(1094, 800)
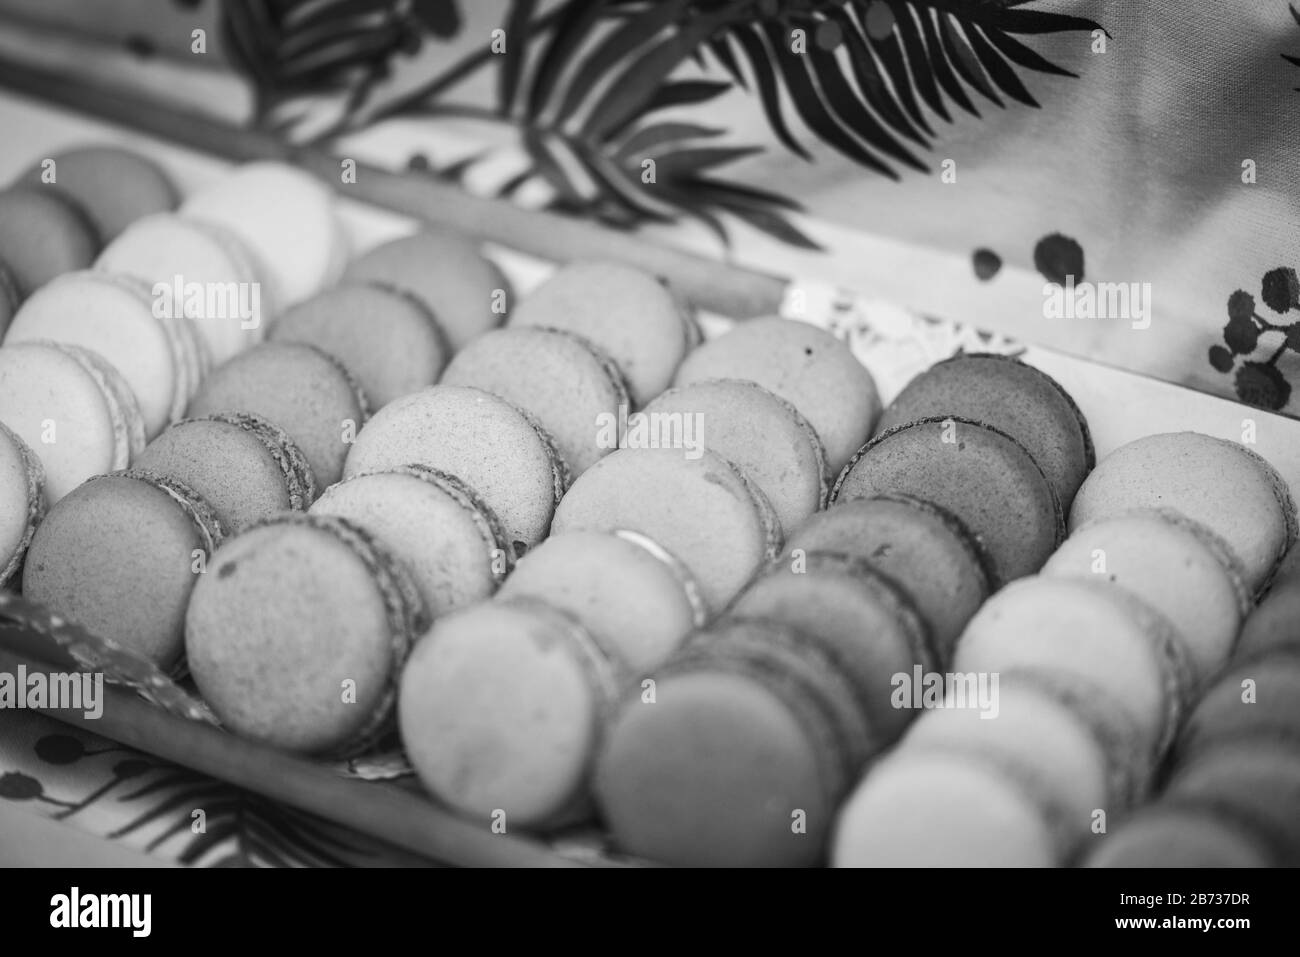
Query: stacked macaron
(1233, 782)
(1233, 785)
(736, 754)
(1097, 660)
(297, 632)
(22, 491)
(991, 439)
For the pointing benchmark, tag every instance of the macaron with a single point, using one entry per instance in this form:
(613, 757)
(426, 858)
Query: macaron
(501, 709)
(758, 431)
(1257, 780)
(42, 236)
(72, 409)
(465, 291)
(246, 468)
(1176, 565)
(286, 217)
(501, 453)
(1257, 699)
(200, 270)
(115, 186)
(22, 501)
(450, 541)
(936, 808)
(570, 386)
(298, 388)
(388, 340)
(630, 593)
(926, 550)
(297, 634)
(1275, 623)
(1010, 395)
(739, 758)
(975, 471)
(808, 367)
(627, 313)
(1039, 733)
(120, 556)
(1221, 484)
(856, 616)
(1092, 633)
(1183, 834)
(702, 510)
(160, 359)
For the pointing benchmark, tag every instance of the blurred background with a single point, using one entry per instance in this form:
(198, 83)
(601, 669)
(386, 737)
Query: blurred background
(952, 158)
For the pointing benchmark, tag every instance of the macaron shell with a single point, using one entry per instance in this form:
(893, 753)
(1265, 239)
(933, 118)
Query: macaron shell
(1170, 834)
(981, 475)
(285, 217)
(808, 367)
(1094, 633)
(1258, 698)
(564, 381)
(1180, 568)
(446, 272)
(229, 465)
(627, 313)
(1274, 624)
(1034, 730)
(114, 186)
(43, 236)
(49, 392)
(715, 773)
(299, 389)
(1221, 484)
(759, 432)
(454, 547)
(1260, 780)
(158, 249)
(22, 501)
(113, 316)
(702, 510)
(120, 556)
(1012, 396)
(855, 615)
(633, 597)
(500, 710)
(124, 410)
(924, 549)
(484, 441)
(297, 632)
(388, 340)
(807, 674)
(936, 809)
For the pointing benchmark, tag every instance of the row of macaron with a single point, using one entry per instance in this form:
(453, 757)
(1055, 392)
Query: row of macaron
(836, 522)
(1096, 659)
(1099, 659)
(948, 429)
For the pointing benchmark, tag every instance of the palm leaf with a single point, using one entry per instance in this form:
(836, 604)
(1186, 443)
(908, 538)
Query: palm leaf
(517, 35)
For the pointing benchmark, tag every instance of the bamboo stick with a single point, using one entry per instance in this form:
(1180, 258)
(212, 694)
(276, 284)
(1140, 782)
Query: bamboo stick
(717, 287)
(405, 819)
